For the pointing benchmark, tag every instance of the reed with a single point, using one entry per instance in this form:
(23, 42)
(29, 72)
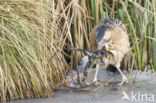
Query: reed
(31, 48)
(34, 34)
(139, 18)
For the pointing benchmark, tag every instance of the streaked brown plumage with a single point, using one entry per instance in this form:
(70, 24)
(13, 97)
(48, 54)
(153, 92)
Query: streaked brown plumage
(111, 35)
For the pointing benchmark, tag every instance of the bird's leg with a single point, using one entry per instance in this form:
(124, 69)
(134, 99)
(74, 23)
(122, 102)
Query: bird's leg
(96, 72)
(124, 78)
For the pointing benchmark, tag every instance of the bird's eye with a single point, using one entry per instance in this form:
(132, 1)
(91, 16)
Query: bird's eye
(102, 52)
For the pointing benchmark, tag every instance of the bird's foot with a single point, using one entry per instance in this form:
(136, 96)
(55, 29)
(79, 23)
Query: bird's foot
(97, 84)
(124, 80)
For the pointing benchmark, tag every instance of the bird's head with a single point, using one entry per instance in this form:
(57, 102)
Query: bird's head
(103, 37)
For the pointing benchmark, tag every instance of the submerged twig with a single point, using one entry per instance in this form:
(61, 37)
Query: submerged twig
(83, 86)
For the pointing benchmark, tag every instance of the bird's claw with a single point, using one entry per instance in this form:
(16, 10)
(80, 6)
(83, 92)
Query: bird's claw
(120, 84)
(97, 84)
(124, 80)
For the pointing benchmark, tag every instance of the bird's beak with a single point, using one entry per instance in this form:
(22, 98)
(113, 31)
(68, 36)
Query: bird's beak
(100, 46)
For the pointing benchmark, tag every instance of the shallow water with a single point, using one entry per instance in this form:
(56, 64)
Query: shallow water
(142, 90)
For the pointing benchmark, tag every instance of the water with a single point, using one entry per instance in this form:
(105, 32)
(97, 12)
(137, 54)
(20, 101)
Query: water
(143, 90)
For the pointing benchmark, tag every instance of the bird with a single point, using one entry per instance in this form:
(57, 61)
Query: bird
(110, 34)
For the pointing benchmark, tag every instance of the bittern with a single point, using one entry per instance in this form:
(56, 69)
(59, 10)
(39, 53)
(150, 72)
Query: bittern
(110, 35)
